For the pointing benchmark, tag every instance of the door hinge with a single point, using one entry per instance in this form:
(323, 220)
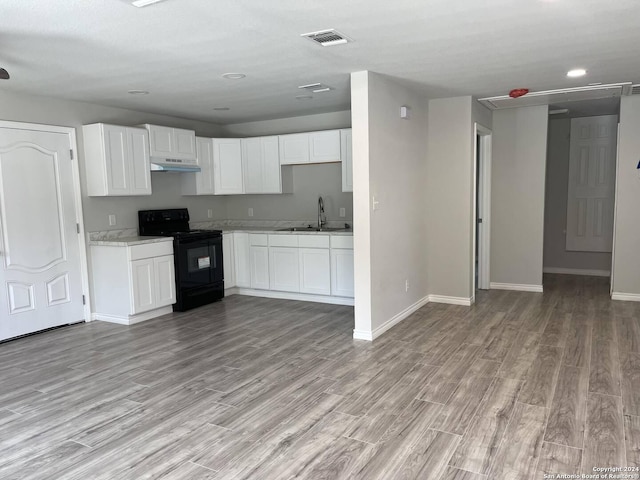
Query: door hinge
(84, 300)
(71, 154)
(78, 227)
(479, 220)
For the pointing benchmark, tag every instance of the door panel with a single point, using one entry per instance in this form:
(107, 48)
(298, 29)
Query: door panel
(40, 275)
(185, 142)
(271, 173)
(161, 141)
(591, 184)
(252, 165)
(228, 166)
(283, 269)
(144, 285)
(315, 271)
(342, 284)
(138, 139)
(204, 179)
(165, 280)
(259, 267)
(115, 143)
(324, 146)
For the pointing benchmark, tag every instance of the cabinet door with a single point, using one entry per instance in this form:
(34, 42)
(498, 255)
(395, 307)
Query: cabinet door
(227, 163)
(116, 158)
(324, 146)
(165, 281)
(294, 148)
(184, 142)
(144, 285)
(342, 273)
(259, 267)
(271, 171)
(204, 178)
(283, 269)
(139, 168)
(161, 141)
(252, 165)
(315, 271)
(347, 160)
(242, 261)
(228, 260)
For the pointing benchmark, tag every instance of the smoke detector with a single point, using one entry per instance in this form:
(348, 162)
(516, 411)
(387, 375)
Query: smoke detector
(327, 38)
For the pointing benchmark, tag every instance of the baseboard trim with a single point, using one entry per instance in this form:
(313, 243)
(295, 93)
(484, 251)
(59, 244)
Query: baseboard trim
(626, 297)
(372, 335)
(302, 297)
(577, 271)
(132, 319)
(464, 301)
(516, 286)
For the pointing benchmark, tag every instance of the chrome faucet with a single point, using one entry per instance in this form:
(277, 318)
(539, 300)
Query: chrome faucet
(322, 220)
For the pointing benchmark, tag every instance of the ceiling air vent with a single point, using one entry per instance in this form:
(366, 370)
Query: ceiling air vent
(327, 38)
(635, 89)
(316, 88)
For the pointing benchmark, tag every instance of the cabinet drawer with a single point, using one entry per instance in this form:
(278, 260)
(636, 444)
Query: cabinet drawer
(258, 239)
(342, 241)
(283, 240)
(150, 250)
(314, 241)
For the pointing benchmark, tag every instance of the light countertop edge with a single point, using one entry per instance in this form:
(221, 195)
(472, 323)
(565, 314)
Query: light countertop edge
(128, 241)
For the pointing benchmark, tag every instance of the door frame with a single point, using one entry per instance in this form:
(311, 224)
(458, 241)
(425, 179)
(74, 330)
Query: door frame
(484, 250)
(77, 198)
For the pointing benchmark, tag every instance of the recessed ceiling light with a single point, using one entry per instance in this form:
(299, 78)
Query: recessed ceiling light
(233, 76)
(144, 3)
(577, 72)
(558, 111)
(304, 97)
(138, 92)
(221, 109)
(594, 84)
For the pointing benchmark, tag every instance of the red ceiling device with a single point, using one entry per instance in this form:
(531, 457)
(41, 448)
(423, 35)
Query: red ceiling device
(518, 92)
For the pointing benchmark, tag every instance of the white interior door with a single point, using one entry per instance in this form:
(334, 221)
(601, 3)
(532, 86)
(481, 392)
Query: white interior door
(40, 266)
(592, 169)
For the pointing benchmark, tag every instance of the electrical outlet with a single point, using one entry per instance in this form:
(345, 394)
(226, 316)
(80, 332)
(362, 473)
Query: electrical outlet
(343, 212)
(406, 285)
(209, 213)
(112, 220)
(250, 212)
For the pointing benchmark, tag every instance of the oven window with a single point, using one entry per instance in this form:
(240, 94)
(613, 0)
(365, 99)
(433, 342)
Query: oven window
(199, 259)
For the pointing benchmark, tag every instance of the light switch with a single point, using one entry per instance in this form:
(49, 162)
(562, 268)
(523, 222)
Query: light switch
(112, 220)
(209, 213)
(250, 212)
(343, 213)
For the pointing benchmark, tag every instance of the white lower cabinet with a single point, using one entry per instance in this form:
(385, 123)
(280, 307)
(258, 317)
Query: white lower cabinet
(242, 261)
(315, 271)
(290, 263)
(228, 263)
(259, 261)
(283, 269)
(132, 283)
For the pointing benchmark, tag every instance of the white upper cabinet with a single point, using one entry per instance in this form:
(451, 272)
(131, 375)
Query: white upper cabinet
(311, 147)
(294, 148)
(227, 166)
(261, 165)
(346, 152)
(201, 183)
(167, 142)
(324, 146)
(117, 160)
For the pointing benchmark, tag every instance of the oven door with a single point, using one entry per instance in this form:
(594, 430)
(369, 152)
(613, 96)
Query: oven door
(194, 263)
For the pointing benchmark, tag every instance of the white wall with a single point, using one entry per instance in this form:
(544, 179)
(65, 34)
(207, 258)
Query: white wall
(449, 185)
(392, 153)
(626, 269)
(517, 195)
(555, 206)
(304, 123)
(166, 189)
(309, 181)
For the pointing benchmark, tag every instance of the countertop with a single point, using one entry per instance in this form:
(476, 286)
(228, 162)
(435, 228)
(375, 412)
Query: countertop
(128, 241)
(269, 230)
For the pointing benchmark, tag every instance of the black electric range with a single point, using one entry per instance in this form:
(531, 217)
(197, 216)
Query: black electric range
(197, 256)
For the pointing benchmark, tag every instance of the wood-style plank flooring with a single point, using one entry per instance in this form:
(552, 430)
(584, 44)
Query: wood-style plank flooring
(519, 385)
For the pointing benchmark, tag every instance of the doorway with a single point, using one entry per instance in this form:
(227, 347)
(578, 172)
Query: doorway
(580, 188)
(482, 209)
(43, 257)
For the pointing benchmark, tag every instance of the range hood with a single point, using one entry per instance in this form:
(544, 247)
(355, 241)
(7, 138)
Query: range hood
(174, 165)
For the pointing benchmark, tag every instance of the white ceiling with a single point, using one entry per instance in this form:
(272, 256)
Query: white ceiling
(97, 50)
